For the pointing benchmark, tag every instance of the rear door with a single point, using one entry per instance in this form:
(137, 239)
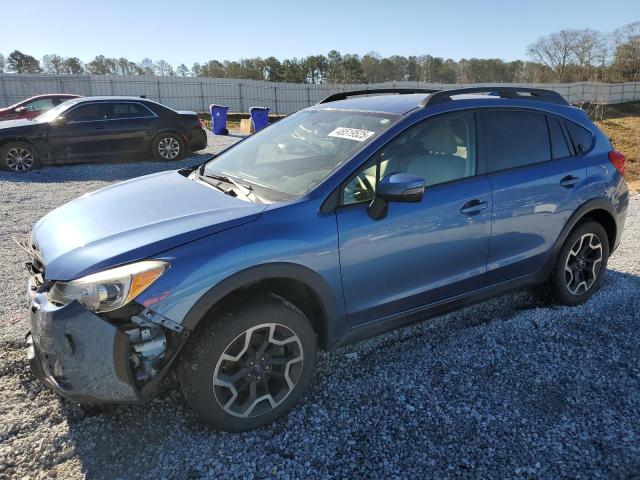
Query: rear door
(128, 126)
(537, 184)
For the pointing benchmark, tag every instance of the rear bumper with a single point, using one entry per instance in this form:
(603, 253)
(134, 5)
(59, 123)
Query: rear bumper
(198, 139)
(80, 355)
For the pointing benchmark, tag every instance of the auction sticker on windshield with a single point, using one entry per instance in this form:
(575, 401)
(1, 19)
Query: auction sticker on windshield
(351, 134)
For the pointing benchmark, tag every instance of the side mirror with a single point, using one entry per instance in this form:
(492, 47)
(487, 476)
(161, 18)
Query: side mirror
(21, 109)
(395, 187)
(60, 120)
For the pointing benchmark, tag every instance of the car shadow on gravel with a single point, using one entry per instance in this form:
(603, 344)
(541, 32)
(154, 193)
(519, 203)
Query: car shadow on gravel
(108, 172)
(512, 387)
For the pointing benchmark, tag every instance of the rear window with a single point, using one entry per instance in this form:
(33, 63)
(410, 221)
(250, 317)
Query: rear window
(515, 138)
(128, 110)
(581, 137)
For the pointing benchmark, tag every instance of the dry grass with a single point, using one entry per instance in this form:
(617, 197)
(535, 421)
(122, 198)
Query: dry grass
(622, 124)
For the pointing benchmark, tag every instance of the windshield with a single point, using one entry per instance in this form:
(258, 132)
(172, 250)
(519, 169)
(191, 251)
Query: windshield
(295, 154)
(52, 113)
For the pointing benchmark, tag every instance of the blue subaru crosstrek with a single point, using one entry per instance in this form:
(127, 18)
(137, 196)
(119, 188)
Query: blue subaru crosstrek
(363, 213)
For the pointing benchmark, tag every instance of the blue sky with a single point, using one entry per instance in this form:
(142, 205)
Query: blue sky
(195, 31)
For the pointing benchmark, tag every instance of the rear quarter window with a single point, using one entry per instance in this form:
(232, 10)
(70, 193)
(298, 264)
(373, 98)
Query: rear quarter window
(559, 145)
(581, 137)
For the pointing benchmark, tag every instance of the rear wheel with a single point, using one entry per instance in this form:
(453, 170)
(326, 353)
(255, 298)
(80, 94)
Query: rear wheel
(167, 147)
(251, 366)
(581, 264)
(19, 157)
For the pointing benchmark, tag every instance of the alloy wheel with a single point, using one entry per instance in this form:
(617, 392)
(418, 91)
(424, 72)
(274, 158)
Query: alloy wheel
(258, 370)
(169, 148)
(583, 264)
(19, 159)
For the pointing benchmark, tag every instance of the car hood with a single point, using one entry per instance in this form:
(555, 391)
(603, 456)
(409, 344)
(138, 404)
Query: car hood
(133, 220)
(21, 122)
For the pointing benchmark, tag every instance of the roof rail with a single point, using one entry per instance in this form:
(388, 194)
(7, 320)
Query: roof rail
(352, 93)
(502, 92)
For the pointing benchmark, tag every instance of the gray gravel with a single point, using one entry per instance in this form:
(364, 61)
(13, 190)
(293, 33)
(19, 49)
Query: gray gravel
(510, 388)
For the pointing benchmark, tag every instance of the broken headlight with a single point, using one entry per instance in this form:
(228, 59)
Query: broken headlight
(110, 289)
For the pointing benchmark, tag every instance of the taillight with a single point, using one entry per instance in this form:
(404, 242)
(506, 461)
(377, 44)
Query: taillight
(618, 160)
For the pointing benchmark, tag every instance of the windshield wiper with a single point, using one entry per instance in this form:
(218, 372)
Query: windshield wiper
(218, 184)
(246, 190)
(226, 179)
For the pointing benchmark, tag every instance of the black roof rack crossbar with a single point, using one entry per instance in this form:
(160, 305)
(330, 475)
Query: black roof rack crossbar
(352, 93)
(503, 92)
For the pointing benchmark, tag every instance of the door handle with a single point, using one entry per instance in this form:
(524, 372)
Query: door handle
(99, 127)
(473, 207)
(569, 181)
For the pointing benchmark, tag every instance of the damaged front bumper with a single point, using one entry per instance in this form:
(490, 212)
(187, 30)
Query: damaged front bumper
(86, 358)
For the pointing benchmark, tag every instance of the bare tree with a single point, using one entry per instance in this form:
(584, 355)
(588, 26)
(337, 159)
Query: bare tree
(163, 68)
(182, 70)
(589, 52)
(2, 63)
(626, 61)
(73, 65)
(556, 51)
(147, 66)
(53, 63)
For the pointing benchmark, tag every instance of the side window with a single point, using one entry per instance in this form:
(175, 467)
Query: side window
(38, 105)
(515, 138)
(559, 146)
(87, 113)
(439, 150)
(58, 100)
(128, 110)
(581, 137)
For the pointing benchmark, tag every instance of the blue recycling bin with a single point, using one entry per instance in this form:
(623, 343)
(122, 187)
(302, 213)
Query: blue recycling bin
(259, 117)
(219, 119)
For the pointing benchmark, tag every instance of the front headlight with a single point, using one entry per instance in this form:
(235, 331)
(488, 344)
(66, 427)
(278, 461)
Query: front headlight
(111, 289)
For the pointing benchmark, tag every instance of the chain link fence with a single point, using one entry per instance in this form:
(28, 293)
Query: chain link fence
(197, 93)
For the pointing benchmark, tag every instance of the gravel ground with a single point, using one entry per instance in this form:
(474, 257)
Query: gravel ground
(510, 388)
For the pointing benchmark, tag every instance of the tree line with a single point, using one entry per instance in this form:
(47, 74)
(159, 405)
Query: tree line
(565, 56)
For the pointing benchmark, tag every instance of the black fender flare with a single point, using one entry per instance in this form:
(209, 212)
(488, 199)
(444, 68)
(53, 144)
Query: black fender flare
(246, 277)
(600, 203)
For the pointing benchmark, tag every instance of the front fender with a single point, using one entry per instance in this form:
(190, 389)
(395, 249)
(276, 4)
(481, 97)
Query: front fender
(290, 242)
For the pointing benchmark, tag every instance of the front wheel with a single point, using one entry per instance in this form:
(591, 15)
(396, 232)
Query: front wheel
(581, 264)
(19, 157)
(167, 147)
(251, 366)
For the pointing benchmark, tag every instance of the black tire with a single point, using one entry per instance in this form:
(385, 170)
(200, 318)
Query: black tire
(167, 147)
(561, 282)
(19, 157)
(201, 363)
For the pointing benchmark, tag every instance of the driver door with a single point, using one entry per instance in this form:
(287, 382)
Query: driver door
(420, 253)
(82, 135)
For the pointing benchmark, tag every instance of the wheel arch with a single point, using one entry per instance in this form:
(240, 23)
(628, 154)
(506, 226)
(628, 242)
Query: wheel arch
(297, 284)
(599, 209)
(6, 140)
(173, 131)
